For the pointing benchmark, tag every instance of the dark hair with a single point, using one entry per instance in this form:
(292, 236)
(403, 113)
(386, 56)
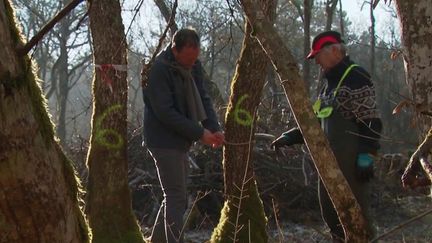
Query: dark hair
(185, 37)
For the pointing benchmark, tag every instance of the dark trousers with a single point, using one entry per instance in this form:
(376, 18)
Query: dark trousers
(172, 168)
(361, 192)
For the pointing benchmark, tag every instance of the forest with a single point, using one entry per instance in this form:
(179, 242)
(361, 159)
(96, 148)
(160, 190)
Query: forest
(73, 164)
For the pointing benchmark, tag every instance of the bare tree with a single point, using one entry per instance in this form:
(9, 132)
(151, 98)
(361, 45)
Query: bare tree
(307, 13)
(330, 9)
(243, 216)
(417, 42)
(39, 190)
(341, 195)
(108, 200)
(59, 69)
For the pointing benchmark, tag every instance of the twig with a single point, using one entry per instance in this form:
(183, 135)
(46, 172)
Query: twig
(33, 41)
(402, 225)
(280, 234)
(197, 198)
(245, 180)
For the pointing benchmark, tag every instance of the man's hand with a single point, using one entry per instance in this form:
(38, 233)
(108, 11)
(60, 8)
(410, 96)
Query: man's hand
(364, 167)
(212, 139)
(220, 138)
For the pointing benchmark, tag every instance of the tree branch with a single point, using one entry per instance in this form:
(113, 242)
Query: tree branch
(33, 41)
(147, 66)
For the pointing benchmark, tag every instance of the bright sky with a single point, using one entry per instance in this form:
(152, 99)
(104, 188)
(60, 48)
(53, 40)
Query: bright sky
(358, 16)
(361, 17)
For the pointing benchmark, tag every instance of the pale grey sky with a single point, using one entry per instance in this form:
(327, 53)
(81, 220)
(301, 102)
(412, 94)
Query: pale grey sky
(361, 17)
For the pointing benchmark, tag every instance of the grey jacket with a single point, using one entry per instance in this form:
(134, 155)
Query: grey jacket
(166, 124)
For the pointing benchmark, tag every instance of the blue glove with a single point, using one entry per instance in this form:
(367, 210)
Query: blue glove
(364, 167)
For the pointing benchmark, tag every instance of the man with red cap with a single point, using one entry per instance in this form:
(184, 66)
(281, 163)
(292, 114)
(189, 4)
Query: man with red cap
(346, 108)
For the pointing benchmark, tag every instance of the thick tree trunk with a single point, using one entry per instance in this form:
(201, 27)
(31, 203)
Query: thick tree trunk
(109, 201)
(243, 218)
(415, 18)
(342, 197)
(38, 187)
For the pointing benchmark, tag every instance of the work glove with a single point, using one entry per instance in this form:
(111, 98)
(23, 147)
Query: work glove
(364, 167)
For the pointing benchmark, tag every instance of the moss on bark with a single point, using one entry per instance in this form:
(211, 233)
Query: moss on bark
(251, 223)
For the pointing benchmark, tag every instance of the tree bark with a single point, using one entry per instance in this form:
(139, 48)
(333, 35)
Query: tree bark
(416, 23)
(242, 217)
(38, 187)
(307, 13)
(108, 200)
(342, 197)
(63, 78)
(166, 13)
(330, 8)
(373, 41)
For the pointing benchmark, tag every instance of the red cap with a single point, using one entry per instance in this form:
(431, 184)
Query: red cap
(321, 40)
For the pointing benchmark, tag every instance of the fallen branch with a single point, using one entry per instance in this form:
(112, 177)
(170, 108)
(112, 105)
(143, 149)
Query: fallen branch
(402, 225)
(409, 178)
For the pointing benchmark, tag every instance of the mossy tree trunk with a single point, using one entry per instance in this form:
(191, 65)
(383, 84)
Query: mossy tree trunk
(416, 23)
(242, 218)
(342, 197)
(38, 187)
(109, 205)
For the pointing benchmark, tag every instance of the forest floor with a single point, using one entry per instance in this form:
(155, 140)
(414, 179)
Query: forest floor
(394, 223)
(396, 215)
(288, 187)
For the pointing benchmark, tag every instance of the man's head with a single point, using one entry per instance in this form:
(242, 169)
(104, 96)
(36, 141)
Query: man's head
(186, 47)
(327, 49)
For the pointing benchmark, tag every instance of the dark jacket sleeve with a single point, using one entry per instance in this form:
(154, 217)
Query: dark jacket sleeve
(162, 101)
(369, 130)
(211, 123)
(294, 136)
(369, 127)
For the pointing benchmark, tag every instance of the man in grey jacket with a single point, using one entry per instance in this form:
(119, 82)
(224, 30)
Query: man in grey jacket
(178, 112)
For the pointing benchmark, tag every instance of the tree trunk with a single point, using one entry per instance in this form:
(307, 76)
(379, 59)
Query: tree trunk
(38, 187)
(330, 8)
(166, 13)
(63, 80)
(307, 13)
(415, 18)
(341, 20)
(242, 218)
(109, 201)
(373, 41)
(342, 197)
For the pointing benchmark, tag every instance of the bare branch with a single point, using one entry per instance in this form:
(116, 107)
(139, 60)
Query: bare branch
(33, 41)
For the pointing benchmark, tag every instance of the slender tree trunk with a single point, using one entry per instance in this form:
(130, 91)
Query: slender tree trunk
(242, 218)
(38, 187)
(330, 8)
(415, 18)
(63, 81)
(166, 13)
(341, 20)
(373, 41)
(342, 197)
(109, 201)
(307, 13)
